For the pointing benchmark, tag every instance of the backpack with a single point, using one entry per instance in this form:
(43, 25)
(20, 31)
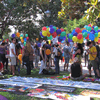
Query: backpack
(46, 72)
(59, 53)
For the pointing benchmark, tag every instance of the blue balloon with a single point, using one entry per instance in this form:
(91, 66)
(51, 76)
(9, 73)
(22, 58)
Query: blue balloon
(13, 35)
(84, 31)
(68, 35)
(91, 37)
(69, 40)
(96, 31)
(99, 30)
(88, 32)
(39, 44)
(51, 30)
(62, 37)
(75, 34)
(58, 31)
(25, 39)
(86, 26)
(41, 34)
(73, 31)
(59, 40)
(51, 26)
(62, 41)
(93, 31)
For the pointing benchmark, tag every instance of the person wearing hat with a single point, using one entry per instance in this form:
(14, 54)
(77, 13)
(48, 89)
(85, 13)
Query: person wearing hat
(92, 51)
(76, 70)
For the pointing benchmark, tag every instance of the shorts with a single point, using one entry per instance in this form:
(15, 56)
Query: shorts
(13, 60)
(92, 63)
(48, 58)
(67, 60)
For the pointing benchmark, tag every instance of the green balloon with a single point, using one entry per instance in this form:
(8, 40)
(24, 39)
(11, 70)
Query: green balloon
(24, 43)
(54, 28)
(96, 28)
(49, 38)
(85, 34)
(70, 36)
(21, 35)
(63, 34)
(47, 26)
(26, 35)
(89, 29)
(96, 35)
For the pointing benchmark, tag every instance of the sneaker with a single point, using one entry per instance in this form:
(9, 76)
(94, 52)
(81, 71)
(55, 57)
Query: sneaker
(89, 76)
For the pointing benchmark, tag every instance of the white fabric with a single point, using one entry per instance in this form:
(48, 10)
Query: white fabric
(55, 51)
(12, 46)
(42, 66)
(55, 40)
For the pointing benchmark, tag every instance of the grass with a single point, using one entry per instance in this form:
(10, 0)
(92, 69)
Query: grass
(34, 73)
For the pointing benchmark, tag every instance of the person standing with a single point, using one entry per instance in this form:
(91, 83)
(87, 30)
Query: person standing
(67, 55)
(92, 51)
(13, 56)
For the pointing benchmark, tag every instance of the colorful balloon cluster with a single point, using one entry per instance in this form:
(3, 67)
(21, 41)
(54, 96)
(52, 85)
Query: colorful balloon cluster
(88, 32)
(52, 32)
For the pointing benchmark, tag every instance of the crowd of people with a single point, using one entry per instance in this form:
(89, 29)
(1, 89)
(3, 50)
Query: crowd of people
(66, 52)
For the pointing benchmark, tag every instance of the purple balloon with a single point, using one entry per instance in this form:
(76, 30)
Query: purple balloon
(58, 31)
(51, 26)
(59, 39)
(39, 44)
(93, 26)
(51, 30)
(75, 34)
(99, 30)
(93, 31)
(41, 34)
(13, 35)
(64, 38)
(67, 35)
(69, 40)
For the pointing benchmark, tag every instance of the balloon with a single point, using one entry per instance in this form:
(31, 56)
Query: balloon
(79, 36)
(63, 33)
(49, 41)
(86, 26)
(54, 34)
(18, 34)
(7, 40)
(96, 34)
(13, 35)
(22, 40)
(99, 30)
(37, 39)
(69, 40)
(80, 41)
(44, 33)
(84, 31)
(48, 34)
(51, 26)
(98, 40)
(21, 35)
(70, 36)
(89, 25)
(89, 28)
(77, 30)
(59, 39)
(41, 34)
(49, 38)
(93, 31)
(73, 31)
(48, 52)
(24, 43)
(87, 37)
(62, 29)
(85, 34)
(75, 34)
(99, 34)
(74, 38)
(44, 29)
(26, 35)
(27, 38)
(20, 57)
(51, 30)
(58, 31)
(91, 37)
(47, 26)
(39, 44)
(96, 28)
(64, 38)
(54, 28)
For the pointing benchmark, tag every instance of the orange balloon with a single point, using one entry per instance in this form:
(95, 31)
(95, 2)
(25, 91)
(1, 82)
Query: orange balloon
(20, 57)
(18, 34)
(48, 52)
(22, 40)
(48, 35)
(37, 39)
(83, 29)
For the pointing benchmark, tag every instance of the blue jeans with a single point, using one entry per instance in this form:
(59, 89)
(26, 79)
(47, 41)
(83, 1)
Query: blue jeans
(57, 69)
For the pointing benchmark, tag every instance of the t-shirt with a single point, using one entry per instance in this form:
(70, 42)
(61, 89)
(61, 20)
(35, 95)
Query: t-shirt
(55, 51)
(66, 50)
(92, 50)
(12, 46)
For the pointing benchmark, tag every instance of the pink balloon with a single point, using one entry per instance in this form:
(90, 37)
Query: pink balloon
(89, 25)
(27, 38)
(44, 29)
(62, 29)
(79, 36)
(78, 30)
(99, 41)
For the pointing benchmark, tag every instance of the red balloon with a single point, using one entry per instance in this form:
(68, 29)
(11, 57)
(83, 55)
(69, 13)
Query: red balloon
(27, 38)
(79, 36)
(99, 41)
(44, 29)
(62, 29)
(87, 37)
(54, 34)
(89, 25)
(77, 30)
(7, 40)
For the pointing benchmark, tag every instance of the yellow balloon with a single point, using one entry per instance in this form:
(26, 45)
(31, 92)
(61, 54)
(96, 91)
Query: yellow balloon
(74, 38)
(80, 41)
(44, 33)
(96, 39)
(98, 34)
(49, 41)
(47, 30)
(21, 38)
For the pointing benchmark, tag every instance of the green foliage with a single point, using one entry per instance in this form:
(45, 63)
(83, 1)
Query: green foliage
(72, 24)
